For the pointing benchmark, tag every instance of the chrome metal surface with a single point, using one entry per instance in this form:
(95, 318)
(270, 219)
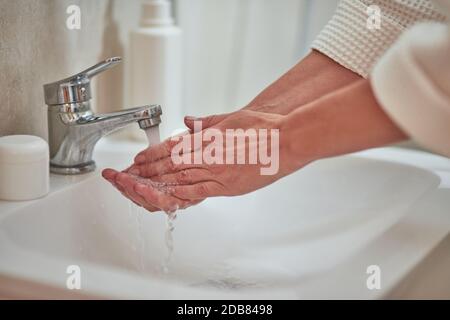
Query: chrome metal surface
(73, 129)
(76, 89)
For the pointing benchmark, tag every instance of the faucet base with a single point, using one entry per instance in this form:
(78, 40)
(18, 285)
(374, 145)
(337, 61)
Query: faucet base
(85, 168)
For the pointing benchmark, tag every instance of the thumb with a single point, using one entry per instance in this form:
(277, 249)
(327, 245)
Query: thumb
(206, 122)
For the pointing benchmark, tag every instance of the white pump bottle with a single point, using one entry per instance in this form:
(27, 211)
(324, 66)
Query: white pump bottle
(156, 65)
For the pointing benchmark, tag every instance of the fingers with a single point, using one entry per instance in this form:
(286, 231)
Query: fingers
(156, 152)
(187, 143)
(206, 122)
(127, 183)
(161, 167)
(198, 191)
(146, 195)
(109, 174)
(150, 195)
(164, 149)
(160, 199)
(187, 176)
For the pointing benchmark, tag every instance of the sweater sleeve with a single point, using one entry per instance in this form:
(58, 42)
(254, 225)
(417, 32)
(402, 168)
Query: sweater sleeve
(412, 84)
(348, 40)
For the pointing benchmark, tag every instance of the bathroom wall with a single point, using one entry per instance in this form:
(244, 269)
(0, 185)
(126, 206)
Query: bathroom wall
(233, 49)
(36, 47)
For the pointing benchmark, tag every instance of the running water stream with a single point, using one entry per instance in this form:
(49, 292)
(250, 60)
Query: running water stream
(169, 240)
(154, 138)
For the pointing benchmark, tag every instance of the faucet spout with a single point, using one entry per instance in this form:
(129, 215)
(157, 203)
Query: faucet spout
(73, 135)
(73, 129)
(146, 116)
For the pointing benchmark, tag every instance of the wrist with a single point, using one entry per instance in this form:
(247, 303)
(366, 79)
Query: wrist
(313, 77)
(345, 121)
(300, 135)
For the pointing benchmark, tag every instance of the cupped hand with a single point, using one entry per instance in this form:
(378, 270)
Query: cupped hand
(145, 193)
(295, 89)
(192, 181)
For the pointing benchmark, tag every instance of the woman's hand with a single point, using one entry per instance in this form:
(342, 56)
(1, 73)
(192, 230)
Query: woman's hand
(145, 193)
(313, 77)
(347, 120)
(171, 184)
(227, 178)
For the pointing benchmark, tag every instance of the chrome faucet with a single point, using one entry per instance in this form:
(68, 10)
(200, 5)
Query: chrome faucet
(73, 129)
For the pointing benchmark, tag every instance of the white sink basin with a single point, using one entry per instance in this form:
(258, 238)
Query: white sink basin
(311, 235)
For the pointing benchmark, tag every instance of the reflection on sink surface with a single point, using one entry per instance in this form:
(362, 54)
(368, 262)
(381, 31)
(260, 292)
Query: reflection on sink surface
(289, 233)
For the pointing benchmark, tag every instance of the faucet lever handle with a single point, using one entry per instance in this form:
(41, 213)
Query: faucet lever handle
(99, 67)
(76, 89)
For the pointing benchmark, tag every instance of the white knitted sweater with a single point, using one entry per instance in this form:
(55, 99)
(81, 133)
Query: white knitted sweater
(347, 40)
(407, 59)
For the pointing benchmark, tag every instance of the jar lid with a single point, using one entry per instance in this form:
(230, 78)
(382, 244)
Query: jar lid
(23, 149)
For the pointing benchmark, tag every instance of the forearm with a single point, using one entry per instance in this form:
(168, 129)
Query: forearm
(313, 77)
(345, 121)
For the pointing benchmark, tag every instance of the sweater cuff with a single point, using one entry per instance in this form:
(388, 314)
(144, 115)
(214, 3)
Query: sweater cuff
(347, 40)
